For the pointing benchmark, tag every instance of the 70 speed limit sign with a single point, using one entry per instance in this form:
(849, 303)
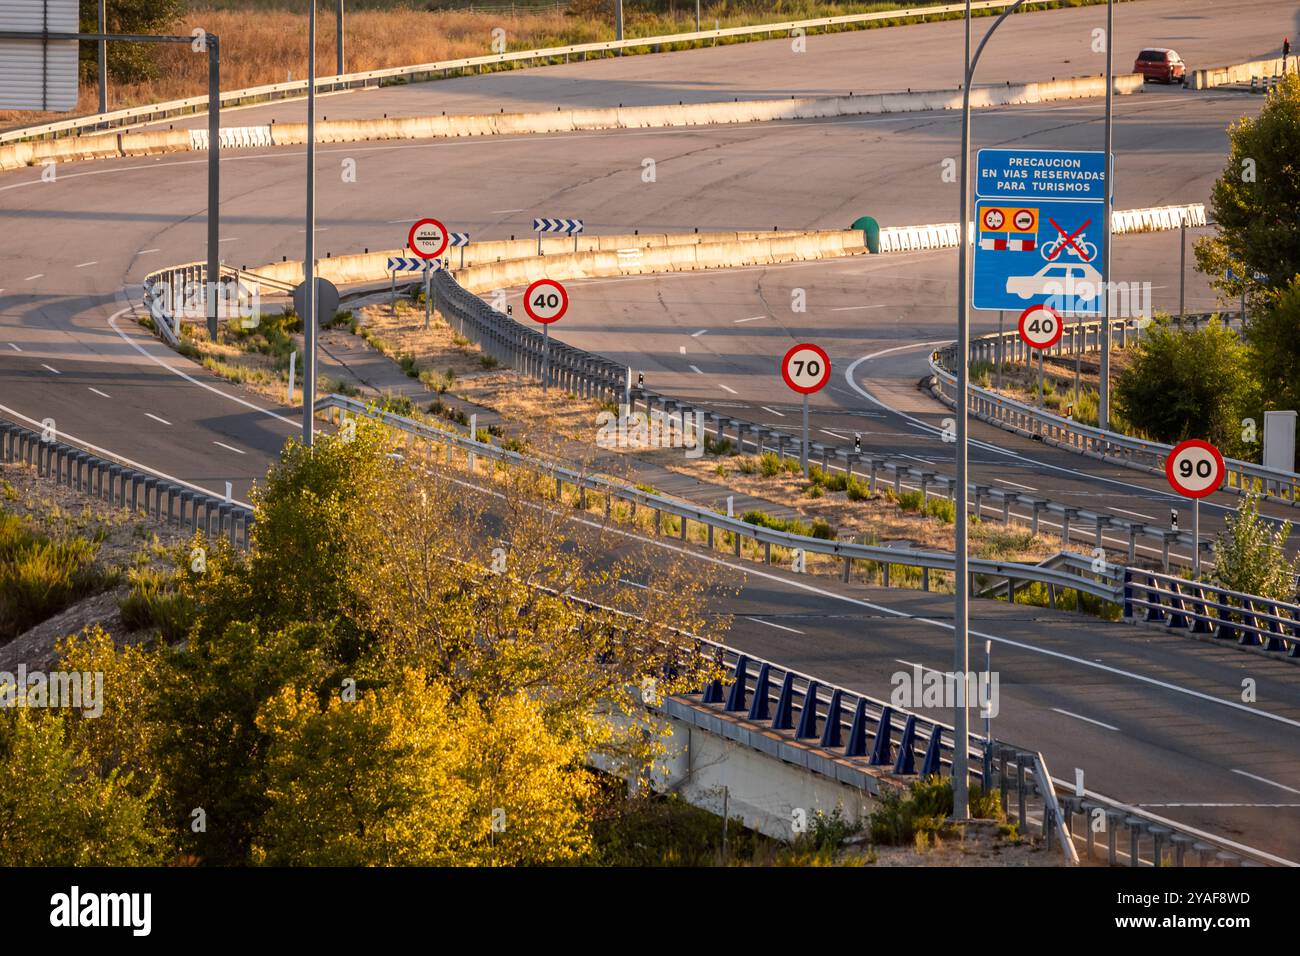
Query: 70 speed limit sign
(806, 368)
(1195, 468)
(1040, 327)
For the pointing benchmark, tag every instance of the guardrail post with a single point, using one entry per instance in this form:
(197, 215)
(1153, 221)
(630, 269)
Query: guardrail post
(846, 570)
(1103, 522)
(1133, 531)
(1036, 506)
(1166, 539)
(1066, 515)
(925, 579)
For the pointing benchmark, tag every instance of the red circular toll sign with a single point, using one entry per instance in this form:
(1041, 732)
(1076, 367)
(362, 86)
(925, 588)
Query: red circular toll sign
(427, 239)
(806, 368)
(1195, 468)
(1040, 327)
(545, 301)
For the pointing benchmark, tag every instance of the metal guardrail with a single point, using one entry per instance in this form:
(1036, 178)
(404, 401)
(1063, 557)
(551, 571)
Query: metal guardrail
(1198, 607)
(1038, 423)
(720, 528)
(370, 79)
(116, 483)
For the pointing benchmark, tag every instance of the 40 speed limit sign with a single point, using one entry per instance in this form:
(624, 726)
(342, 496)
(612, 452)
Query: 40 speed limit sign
(1195, 468)
(806, 368)
(545, 301)
(1040, 327)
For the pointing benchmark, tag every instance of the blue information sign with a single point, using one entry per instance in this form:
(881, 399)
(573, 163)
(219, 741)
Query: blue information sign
(1039, 222)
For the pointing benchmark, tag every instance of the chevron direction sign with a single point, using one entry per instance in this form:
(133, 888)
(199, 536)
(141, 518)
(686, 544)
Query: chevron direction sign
(563, 226)
(412, 264)
(459, 239)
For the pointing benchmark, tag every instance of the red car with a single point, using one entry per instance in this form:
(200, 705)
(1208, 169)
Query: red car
(1161, 65)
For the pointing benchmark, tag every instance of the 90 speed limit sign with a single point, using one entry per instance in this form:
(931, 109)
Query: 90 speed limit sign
(806, 368)
(427, 239)
(1040, 327)
(1195, 468)
(545, 301)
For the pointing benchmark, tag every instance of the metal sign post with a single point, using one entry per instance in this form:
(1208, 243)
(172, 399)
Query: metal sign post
(1103, 385)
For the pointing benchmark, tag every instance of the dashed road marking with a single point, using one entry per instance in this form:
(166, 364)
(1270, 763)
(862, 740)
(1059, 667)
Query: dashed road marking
(98, 392)
(82, 265)
(772, 411)
(156, 418)
(51, 368)
(1271, 783)
(1087, 720)
(780, 627)
(229, 447)
(752, 318)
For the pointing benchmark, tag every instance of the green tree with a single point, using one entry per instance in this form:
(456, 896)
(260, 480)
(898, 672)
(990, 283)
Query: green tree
(1255, 199)
(1189, 383)
(127, 62)
(55, 810)
(1274, 337)
(1250, 556)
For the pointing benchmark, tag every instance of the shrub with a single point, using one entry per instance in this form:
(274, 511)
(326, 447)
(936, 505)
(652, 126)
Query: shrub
(941, 508)
(768, 464)
(911, 501)
(407, 361)
(1251, 557)
(488, 361)
(154, 602)
(855, 489)
(40, 576)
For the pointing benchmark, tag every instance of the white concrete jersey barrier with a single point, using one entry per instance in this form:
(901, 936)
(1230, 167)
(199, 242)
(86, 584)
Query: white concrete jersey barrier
(567, 121)
(944, 235)
(1243, 72)
(372, 79)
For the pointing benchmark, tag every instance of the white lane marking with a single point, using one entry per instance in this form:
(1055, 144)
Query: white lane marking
(98, 392)
(696, 335)
(681, 349)
(1262, 806)
(643, 587)
(1271, 783)
(112, 321)
(231, 239)
(495, 212)
(82, 265)
(696, 369)
(772, 411)
(827, 431)
(924, 461)
(780, 627)
(229, 447)
(728, 388)
(145, 252)
(917, 423)
(116, 457)
(857, 308)
(392, 221)
(1016, 484)
(14, 347)
(752, 318)
(51, 368)
(932, 670)
(1087, 720)
(39, 275)
(1135, 514)
(156, 418)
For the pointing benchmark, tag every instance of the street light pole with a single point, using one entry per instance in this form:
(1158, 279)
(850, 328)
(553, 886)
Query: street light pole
(214, 181)
(1103, 389)
(309, 260)
(338, 29)
(961, 576)
(103, 59)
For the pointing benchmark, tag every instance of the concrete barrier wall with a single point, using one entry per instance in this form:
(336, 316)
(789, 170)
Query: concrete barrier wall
(561, 121)
(1243, 72)
(597, 255)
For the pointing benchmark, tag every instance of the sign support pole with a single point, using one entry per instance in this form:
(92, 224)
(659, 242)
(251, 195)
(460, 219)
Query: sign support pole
(1103, 391)
(803, 450)
(1002, 344)
(546, 358)
(1182, 268)
(309, 261)
(392, 291)
(428, 294)
(1040, 378)
(1196, 537)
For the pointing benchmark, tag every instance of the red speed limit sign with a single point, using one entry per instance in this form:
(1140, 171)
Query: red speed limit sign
(427, 239)
(545, 301)
(1195, 468)
(806, 368)
(1040, 327)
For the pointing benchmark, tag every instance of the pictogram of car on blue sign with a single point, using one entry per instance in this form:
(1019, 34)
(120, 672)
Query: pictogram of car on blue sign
(1071, 280)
